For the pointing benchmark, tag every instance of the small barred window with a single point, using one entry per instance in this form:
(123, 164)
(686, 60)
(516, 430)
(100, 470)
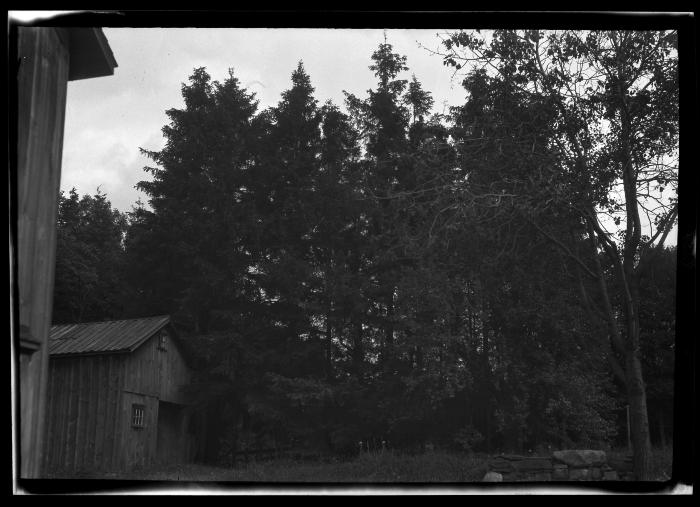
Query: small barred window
(137, 416)
(163, 341)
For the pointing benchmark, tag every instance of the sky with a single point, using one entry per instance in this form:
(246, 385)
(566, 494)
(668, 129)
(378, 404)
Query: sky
(109, 118)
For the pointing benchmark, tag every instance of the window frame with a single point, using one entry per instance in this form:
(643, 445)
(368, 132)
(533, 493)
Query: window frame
(138, 416)
(162, 341)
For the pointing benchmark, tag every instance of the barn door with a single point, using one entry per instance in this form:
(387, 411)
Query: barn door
(172, 442)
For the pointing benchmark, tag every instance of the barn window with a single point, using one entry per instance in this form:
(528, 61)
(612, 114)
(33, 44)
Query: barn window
(137, 413)
(163, 341)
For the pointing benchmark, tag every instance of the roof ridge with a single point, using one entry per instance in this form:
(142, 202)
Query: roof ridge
(112, 320)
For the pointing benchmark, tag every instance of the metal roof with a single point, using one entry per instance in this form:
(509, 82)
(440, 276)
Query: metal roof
(103, 337)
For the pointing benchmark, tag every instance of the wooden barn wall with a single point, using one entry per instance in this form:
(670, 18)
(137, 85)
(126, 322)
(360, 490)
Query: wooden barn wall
(84, 419)
(43, 64)
(154, 375)
(138, 444)
(90, 403)
(174, 374)
(159, 373)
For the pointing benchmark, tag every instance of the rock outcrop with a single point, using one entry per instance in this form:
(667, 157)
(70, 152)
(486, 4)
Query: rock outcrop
(565, 465)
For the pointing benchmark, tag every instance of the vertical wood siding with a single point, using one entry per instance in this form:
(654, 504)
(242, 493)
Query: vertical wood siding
(159, 373)
(90, 407)
(82, 422)
(136, 442)
(43, 61)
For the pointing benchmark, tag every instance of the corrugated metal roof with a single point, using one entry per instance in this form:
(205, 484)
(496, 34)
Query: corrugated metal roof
(103, 337)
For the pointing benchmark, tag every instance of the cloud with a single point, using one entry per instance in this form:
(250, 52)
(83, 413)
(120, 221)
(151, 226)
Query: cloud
(109, 118)
(114, 167)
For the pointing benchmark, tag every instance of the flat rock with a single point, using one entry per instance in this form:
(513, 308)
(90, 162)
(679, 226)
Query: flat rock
(500, 464)
(621, 465)
(541, 477)
(610, 475)
(533, 464)
(579, 474)
(510, 457)
(501, 470)
(580, 458)
(560, 474)
(492, 477)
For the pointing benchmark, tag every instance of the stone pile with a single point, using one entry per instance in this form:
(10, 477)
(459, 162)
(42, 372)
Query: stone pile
(521, 468)
(624, 467)
(567, 465)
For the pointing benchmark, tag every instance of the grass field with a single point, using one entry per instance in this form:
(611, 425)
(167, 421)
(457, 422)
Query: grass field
(386, 467)
(380, 467)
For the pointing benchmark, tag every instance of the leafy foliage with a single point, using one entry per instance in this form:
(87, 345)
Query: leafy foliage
(385, 274)
(89, 259)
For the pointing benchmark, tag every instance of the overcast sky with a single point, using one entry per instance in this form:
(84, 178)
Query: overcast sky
(109, 118)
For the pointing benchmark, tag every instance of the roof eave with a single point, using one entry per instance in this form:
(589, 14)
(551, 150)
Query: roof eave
(90, 54)
(149, 336)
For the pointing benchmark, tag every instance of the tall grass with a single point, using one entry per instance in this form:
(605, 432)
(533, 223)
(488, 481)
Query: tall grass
(372, 467)
(367, 468)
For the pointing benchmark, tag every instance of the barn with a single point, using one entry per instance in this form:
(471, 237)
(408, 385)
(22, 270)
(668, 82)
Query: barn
(115, 397)
(46, 59)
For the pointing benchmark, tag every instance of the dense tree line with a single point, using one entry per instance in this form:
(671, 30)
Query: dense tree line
(383, 273)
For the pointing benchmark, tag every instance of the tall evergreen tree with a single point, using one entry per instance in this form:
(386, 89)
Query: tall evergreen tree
(389, 273)
(89, 259)
(382, 119)
(197, 256)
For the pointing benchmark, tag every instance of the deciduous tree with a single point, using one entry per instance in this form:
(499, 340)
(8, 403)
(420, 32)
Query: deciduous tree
(612, 104)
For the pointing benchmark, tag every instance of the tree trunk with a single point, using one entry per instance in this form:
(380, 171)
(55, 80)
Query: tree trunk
(634, 383)
(639, 422)
(358, 352)
(329, 345)
(419, 358)
(636, 391)
(488, 431)
(639, 419)
(634, 380)
(662, 430)
(389, 328)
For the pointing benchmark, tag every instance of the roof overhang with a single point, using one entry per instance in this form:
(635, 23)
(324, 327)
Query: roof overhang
(90, 54)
